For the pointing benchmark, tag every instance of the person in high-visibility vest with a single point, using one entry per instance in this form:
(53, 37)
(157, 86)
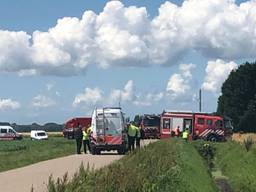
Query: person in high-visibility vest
(185, 135)
(86, 142)
(132, 130)
(138, 136)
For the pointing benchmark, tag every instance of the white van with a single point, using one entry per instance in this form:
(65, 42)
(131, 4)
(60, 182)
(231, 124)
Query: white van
(38, 135)
(108, 131)
(8, 133)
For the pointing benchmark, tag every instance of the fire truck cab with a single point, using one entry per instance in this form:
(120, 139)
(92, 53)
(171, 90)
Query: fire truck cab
(200, 125)
(150, 126)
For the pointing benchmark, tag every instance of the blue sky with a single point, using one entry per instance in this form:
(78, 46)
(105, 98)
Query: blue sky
(148, 59)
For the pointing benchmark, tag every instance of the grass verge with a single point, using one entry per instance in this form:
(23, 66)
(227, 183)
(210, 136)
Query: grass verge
(167, 165)
(14, 154)
(238, 165)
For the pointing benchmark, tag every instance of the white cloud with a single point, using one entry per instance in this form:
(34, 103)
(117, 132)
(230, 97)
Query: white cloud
(149, 99)
(216, 73)
(90, 97)
(49, 86)
(179, 84)
(127, 36)
(42, 101)
(125, 96)
(27, 72)
(118, 95)
(8, 104)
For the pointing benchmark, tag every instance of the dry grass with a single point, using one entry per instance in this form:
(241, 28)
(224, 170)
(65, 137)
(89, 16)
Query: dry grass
(238, 137)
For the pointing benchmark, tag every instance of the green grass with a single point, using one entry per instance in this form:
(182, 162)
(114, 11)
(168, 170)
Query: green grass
(167, 165)
(237, 164)
(14, 154)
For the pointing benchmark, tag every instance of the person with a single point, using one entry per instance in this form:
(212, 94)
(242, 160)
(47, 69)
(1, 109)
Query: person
(132, 129)
(177, 131)
(138, 137)
(78, 134)
(86, 142)
(185, 134)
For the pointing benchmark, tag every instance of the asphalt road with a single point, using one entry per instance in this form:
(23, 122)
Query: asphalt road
(37, 175)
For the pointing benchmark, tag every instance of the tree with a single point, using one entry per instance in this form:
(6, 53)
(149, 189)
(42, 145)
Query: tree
(248, 120)
(238, 91)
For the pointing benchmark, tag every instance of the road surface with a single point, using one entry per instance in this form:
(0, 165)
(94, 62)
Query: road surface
(37, 175)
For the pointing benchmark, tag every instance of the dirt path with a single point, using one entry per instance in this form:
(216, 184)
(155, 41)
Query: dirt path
(22, 179)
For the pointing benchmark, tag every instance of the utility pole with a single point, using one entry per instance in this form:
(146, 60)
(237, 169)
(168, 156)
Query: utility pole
(200, 100)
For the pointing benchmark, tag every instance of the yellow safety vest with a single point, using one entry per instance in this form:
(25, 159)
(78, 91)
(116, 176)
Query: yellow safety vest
(87, 133)
(185, 135)
(132, 130)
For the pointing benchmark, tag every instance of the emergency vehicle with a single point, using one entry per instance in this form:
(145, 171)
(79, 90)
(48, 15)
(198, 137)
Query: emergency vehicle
(108, 131)
(68, 129)
(150, 126)
(200, 125)
(8, 133)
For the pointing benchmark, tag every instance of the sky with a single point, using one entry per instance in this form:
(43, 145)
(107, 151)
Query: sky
(61, 59)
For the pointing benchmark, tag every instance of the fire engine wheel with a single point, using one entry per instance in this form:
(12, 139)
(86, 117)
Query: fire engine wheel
(93, 151)
(213, 138)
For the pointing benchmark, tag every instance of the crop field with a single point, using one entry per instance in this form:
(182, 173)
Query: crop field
(14, 154)
(241, 137)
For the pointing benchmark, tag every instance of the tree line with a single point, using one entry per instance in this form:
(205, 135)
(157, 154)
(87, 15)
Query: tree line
(48, 127)
(238, 98)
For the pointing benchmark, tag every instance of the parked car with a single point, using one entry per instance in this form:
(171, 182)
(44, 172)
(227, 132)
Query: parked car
(8, 133)
(38, 135)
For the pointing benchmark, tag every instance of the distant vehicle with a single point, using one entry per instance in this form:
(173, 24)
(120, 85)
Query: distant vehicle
(150, 126)
(108, 131)
(68, 129)
(38, 135)
(8, 133)
(200, 125)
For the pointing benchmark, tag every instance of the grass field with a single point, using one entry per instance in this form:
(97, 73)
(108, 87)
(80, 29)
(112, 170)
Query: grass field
(162, 166)
(14, 154)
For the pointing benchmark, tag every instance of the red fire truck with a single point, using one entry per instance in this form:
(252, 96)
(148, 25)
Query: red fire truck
(200, 125)
(150, 126)
(68, 129)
